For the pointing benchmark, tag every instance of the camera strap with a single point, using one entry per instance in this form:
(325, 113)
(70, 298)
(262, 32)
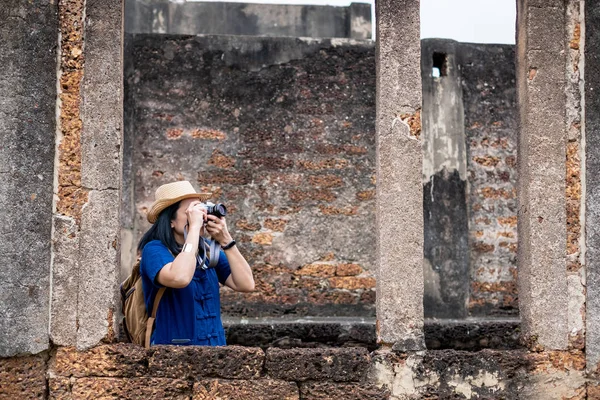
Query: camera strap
(214, 249)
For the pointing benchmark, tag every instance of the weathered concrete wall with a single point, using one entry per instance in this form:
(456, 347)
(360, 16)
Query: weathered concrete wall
(88, 174)
(28, 31)
(542, 261)
(169, 372)
(489, 99)
(446, 251)
(399, 163)
(592, 182)
(281, 130)
(197, 18)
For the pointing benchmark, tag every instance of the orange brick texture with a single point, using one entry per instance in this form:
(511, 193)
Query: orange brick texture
(71, 195)
(130, 372)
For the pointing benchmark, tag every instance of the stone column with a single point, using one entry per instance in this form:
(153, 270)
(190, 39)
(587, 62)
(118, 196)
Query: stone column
(544, 285)
(592, 181)
(399, 165)
(446, 248)
(28, 31)
(86, 220)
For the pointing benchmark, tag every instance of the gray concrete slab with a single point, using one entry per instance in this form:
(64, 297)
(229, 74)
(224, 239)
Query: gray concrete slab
(543, 294)
(102, 117)
(98, 273)
(65, 281)
(102, 98)
(399, 189)
(27, 127)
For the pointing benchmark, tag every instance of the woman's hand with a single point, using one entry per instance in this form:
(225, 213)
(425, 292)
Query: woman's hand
(217, 228)
(196, 214)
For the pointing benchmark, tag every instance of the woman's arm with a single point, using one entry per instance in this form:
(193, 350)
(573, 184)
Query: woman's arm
(241, 278)
(180, 272)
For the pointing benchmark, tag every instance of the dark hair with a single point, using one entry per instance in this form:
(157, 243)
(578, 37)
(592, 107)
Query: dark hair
(161, 230)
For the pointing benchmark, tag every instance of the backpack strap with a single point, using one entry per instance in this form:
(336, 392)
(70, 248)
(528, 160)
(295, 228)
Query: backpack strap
(151, 318)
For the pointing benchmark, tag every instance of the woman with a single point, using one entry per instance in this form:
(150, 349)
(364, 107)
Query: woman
(172, 251)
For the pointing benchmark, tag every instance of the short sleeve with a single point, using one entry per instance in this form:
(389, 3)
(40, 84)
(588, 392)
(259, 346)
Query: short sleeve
(154, 257)
(223, 269)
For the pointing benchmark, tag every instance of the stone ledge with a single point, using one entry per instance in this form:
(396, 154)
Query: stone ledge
(301, 332)
(117, 360)
(234, 362)
(348, 364)
(346, 391)
(259, 389)
(119, 388)
(22, 375)
(471, 334)
(333, 373)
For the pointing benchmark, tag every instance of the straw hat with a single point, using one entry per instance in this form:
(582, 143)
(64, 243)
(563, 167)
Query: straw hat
(172, 193)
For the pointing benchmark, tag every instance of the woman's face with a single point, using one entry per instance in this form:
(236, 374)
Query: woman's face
(178, 224)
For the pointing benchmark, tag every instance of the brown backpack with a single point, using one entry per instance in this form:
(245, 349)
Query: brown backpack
(137, 325)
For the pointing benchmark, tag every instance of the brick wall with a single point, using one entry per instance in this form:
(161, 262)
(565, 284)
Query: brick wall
(489, 96)
(233, 372)
(282, 131)
(130, 372)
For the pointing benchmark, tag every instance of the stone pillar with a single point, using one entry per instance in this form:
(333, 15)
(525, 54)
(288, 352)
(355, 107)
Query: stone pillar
(27, 127)
(399, 188)
(548, 175)
(592, 181)
(86, 220)
(446, 248)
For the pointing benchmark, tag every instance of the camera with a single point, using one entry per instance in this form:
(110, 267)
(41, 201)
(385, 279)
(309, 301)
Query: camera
(218, 210)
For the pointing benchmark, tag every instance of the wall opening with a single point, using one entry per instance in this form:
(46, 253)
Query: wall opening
(284, 136)
(470, 130)
(440, 67)
(281, 130)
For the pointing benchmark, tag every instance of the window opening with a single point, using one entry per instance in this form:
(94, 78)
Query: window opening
(440, 66)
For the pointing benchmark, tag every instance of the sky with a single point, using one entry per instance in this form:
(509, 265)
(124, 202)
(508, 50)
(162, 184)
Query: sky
(475, 21)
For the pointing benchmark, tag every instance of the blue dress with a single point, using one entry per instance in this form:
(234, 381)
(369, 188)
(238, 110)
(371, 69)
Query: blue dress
(190, 315)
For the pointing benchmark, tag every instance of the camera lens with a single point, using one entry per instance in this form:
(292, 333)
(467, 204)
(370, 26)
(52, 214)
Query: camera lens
(220, 210)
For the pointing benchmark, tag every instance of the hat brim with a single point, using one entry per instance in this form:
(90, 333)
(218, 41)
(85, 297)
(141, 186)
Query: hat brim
(158, 206)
